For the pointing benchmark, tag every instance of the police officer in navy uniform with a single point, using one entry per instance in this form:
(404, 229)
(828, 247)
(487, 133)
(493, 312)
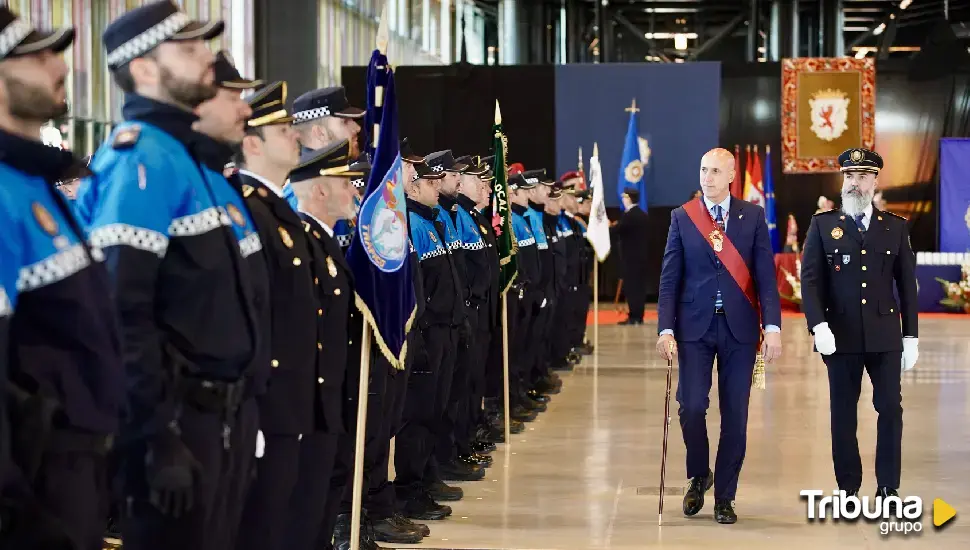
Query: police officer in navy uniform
(854, 259)
(64, 376)
(430, 382)
(483, 273)
(564, 338)
(525, 297)
(286, 410)
(552, 222)
(176, 235)
(321, 183)
(550, 260)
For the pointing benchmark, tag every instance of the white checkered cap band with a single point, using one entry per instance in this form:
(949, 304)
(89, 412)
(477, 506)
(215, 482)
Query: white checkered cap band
(148, 40)
(13, 35)
(311, 114)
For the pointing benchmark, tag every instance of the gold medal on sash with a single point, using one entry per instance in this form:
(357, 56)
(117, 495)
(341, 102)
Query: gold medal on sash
(717, 240)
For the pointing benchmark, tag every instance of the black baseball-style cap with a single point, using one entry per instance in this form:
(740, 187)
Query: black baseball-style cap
(324, 102)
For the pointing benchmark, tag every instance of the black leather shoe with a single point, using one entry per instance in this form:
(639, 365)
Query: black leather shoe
(483, 446)
(548, 386)
(886, 492)
(538, 397)
(694, 499)
(387, 530)
(445, 493)
(424, 508)
(341, 533)
(724, 512)
(405, 523)
(531, 404)
(461, 471)
(523, 415)
(477, 460)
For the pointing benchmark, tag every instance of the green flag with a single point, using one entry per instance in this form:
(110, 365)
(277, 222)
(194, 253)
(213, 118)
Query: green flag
(501, 211)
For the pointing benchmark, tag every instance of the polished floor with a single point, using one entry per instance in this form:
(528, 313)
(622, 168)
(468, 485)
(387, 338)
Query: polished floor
(585, 475)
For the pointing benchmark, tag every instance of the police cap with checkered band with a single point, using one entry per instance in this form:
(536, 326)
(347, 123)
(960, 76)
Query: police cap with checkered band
(18, 37)
(143, 29)
(322, 103)
(444, 161)
(521, 181)
(361, 167)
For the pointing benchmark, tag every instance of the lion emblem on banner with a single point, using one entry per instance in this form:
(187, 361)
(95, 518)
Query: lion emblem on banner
(830, 113)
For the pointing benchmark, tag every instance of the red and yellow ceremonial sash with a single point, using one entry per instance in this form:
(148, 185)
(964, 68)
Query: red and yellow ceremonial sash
(723, 248)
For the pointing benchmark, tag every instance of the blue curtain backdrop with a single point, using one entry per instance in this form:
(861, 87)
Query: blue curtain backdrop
(954, 195)
(679, 109)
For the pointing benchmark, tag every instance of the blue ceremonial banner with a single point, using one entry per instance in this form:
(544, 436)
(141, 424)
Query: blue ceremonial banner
(379, 256)
(954, 195)
(631, 168)
(770, 215)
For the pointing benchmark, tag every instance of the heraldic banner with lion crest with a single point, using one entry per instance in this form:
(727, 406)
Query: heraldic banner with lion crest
(828, 106)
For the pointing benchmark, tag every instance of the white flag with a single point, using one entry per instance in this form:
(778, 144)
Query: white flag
(598, 232)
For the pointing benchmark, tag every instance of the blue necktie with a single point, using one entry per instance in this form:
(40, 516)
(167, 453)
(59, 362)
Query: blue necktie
(859, 222)
(719, 219)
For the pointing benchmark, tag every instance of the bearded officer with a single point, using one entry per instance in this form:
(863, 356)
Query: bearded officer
(189, 327)
(62, 373)
(853, 260)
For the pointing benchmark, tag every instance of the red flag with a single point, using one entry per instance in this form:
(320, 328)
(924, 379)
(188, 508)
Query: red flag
(737, 186)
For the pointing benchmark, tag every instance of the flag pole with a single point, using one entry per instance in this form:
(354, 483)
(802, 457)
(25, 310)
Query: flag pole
(596, 295)
(505, 367)
(505, 330)
(361, 438)
(365, 344)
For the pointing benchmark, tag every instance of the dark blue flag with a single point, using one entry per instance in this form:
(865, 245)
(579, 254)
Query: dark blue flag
(631, 165)
(378, 256)
(954, 195)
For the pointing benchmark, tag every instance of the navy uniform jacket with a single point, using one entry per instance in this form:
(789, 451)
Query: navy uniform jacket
(570, 234)
(848, 279)
(690, 277)
(288, 404)
(529, 275)
(544, 284)
(63, 337)
(447, 214)
(443, 302)
(493, 298)
(557, 245)
(175, 234)
(335, 356)
(477, 272)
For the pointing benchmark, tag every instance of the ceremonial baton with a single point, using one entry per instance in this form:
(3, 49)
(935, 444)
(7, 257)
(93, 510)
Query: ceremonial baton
(663, 461)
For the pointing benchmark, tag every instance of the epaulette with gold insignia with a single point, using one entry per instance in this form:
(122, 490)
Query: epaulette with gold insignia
(829, 211)
(894, 215)
(126, 137)
(247, 190)
(306, 227)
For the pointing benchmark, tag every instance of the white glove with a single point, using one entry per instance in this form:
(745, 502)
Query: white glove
(910, 353)
(260, 444)
(824, 339)
(544, 302)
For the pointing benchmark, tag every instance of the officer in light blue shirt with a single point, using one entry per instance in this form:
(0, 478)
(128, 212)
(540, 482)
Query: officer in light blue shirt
(175, 235)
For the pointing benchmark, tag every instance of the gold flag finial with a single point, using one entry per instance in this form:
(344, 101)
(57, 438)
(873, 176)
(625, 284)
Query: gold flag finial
(498, 113)
(633, 107)
(596, 150)
(383, 34)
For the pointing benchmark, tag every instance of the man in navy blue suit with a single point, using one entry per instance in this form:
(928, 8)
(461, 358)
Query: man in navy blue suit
(717, 291)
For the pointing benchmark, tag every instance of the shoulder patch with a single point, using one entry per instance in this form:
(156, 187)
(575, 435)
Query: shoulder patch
(126, 137)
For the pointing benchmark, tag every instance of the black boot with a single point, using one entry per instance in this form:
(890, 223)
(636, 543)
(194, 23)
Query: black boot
(694, 499)
(341, 533)
(886, 492)
(422, 507)
(457, 470)
(445, 493)
(405, 523)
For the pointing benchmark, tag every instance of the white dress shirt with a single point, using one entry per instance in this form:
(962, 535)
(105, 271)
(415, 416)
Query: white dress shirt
(272, 186)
